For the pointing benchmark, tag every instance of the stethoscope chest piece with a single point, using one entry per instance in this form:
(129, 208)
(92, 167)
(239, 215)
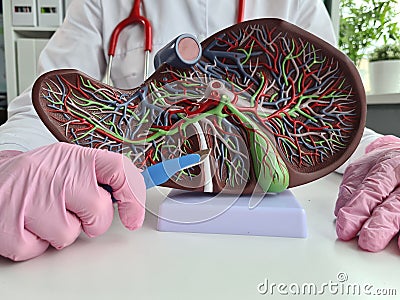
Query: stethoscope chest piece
(182, 52)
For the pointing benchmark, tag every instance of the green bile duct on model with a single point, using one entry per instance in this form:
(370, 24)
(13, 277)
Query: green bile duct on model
(269, 168)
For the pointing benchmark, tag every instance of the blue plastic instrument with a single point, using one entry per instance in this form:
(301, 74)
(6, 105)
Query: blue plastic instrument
(160, 173)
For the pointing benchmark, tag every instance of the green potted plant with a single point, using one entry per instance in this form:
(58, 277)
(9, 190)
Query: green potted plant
(365, 24)
(384, 69)
(369, 31)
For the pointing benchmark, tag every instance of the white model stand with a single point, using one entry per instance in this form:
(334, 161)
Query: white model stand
(267, 215)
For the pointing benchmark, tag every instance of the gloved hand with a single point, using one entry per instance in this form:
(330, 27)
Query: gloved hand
(369, 196)
(49, 195)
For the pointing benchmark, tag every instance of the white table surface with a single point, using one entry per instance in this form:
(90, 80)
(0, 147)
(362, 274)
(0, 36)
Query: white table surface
(148, 264)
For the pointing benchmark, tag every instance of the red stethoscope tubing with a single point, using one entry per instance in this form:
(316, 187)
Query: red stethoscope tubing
(240, 14)
(135, 17)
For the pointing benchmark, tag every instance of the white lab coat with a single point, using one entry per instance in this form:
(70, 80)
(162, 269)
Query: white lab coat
(82, 43)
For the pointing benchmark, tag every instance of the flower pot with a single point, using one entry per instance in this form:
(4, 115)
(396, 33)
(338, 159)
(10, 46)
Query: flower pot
(384, 77)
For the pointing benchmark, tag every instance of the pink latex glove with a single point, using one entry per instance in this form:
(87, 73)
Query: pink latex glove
(369, 196)
(49, 195)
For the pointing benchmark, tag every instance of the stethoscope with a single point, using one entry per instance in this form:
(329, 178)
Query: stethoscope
(134, 18)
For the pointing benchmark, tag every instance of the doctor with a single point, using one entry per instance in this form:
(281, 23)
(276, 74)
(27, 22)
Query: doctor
(49, 191)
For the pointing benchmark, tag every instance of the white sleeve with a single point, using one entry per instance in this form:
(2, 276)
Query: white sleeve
(76, 44)
(313, 16)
